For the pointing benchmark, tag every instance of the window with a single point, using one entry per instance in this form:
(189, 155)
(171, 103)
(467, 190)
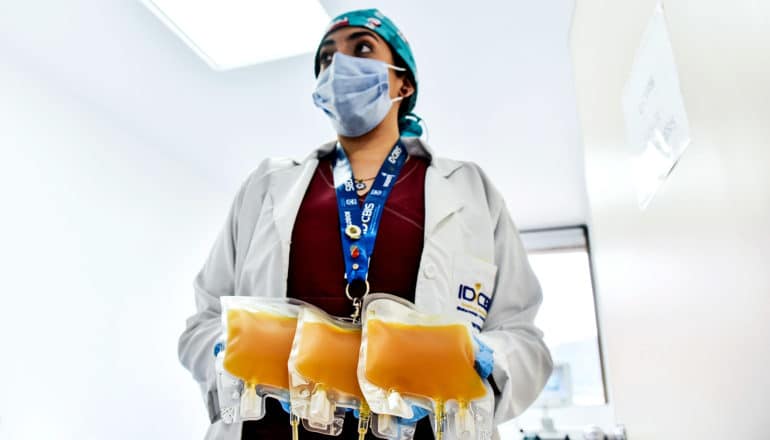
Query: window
(561, 260)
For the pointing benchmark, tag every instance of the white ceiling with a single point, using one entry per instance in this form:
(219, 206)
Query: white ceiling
(224, 33)
(496, 87)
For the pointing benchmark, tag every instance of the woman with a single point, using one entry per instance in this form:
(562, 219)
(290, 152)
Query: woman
(444, 238)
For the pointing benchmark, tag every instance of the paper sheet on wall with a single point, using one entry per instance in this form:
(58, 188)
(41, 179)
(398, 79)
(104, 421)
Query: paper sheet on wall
(657, 130)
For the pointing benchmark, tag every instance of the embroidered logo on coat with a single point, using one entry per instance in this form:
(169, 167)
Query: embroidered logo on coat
(473, 301)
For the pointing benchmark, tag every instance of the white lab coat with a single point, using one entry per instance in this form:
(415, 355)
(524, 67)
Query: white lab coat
(470, 240)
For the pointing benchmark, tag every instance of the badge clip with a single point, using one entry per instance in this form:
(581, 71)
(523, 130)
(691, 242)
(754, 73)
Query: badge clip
(353, 232)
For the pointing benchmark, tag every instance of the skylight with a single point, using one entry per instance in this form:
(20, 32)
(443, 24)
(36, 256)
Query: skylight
(229, 34)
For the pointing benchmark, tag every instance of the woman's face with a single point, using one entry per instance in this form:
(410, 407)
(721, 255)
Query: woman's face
(363, 43)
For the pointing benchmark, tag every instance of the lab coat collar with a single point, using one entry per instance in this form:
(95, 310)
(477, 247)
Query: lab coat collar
(415, 147)
(288, 188)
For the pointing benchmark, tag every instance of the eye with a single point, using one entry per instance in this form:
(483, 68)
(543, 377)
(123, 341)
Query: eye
(363, 49)
(325, 58)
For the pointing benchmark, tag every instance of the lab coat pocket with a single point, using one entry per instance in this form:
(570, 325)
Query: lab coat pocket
(473, 280)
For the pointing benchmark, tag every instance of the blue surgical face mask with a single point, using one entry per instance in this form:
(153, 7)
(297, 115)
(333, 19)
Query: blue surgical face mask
(355, 93)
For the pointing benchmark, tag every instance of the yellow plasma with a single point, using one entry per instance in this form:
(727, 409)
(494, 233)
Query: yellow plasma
(435, 362)
(328, 356)
(258, 347)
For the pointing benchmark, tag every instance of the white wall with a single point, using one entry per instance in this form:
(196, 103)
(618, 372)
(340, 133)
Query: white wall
(101, 237)
(684, 287)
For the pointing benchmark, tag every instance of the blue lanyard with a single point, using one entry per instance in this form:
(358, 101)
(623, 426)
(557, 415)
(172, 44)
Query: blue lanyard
(359, 225)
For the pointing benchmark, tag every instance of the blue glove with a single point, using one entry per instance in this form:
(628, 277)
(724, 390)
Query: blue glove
(218, 348)
(286, 406)
(419, 413)
(484, 362)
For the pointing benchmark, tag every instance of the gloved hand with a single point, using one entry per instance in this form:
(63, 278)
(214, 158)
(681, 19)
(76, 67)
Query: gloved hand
(218, 348)
(484, 362)
(286, 406)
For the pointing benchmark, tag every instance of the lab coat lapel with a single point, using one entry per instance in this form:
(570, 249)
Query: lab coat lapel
(441, 200)
(287, 191)
(288, 188)
(441, 239)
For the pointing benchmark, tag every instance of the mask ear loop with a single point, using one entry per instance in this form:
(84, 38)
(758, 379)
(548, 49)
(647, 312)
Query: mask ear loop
(399, 69)
(412, 116)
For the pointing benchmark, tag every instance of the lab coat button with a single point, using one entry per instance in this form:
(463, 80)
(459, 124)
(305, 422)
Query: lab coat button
(429, 271)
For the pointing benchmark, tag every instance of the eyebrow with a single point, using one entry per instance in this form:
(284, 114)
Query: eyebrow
(351, 37)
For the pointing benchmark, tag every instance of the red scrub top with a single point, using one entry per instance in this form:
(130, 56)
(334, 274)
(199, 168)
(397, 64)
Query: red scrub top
(316, 264)
(317, 267)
